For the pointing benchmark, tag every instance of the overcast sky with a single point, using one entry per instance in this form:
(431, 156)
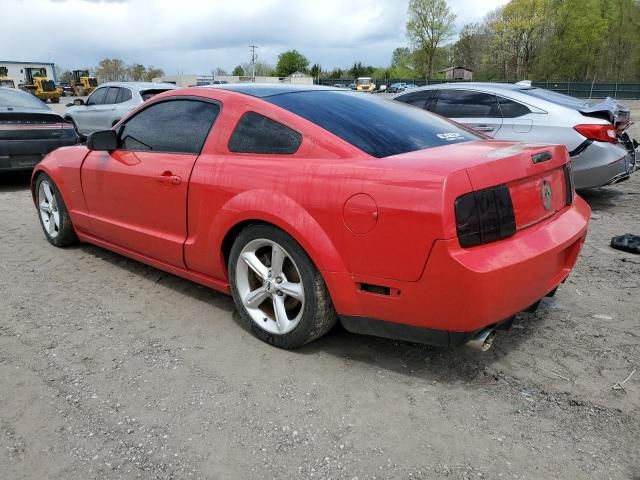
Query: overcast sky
(196, 36)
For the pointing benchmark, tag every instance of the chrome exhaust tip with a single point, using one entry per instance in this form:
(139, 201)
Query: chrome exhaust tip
(483, 341)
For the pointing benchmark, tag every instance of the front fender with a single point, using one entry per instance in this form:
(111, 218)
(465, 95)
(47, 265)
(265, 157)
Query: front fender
(63, 167)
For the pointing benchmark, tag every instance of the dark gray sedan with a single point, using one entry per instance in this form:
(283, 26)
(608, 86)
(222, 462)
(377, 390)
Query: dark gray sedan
(29, 130)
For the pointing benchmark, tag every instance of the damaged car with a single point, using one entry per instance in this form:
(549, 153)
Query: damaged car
(594, 133)
(281, 196)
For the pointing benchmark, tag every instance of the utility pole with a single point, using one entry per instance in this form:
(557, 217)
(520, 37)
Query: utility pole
(253, 61)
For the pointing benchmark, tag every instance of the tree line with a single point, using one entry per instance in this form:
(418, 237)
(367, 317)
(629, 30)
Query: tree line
(588, 40)
(116, 70)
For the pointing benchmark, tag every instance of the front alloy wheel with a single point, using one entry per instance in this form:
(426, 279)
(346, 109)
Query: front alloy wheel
(49, 212)
(277, 289)
(52, 212)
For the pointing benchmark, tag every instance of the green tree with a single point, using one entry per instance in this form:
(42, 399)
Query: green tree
(315, 71)
(136, 72)
(430, 24)
(336, 73)
(151, 72)
(238, 71)
(111, 70)
(520, 33)
(290, 62)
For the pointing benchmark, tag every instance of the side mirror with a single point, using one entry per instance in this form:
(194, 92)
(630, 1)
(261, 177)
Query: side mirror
(78, 101)
(104, 141)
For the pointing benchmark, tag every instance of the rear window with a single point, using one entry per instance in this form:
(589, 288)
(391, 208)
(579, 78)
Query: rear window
(256, 133)
(147, 94)
(20, 99)
(376, 126)
(555, 97)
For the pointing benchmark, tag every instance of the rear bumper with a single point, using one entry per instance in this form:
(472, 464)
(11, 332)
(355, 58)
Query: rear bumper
(25, 154)
(465, 290)
(601, 164)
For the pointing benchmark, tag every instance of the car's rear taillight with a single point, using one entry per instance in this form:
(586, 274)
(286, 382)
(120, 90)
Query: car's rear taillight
(568, 183)
(599, 133)
(484, 216)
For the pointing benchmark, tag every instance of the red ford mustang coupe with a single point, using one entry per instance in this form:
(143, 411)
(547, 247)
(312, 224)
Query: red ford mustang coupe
(310, 205)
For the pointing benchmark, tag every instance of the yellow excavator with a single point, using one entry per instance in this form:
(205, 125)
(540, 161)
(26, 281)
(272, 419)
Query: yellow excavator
(83, 84)
(5, 81)
(37, 83)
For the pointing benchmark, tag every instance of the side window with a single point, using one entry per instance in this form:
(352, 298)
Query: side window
(256, 133)
(97, 97)
(124, 95)
(175, 126)
(111, 96)
(511, 109)
(417, 99)
(454, 103)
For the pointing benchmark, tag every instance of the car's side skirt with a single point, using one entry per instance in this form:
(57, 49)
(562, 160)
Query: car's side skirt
(196, 277)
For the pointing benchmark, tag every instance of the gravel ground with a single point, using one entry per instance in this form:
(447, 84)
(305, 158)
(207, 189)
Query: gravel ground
(113, 370)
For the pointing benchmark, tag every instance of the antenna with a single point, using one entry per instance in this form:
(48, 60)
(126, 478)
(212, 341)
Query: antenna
(254, 57)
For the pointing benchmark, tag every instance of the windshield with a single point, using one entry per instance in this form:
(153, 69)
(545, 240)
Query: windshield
(18, 99)
(555, 97)
(364, 81)
(376, 126)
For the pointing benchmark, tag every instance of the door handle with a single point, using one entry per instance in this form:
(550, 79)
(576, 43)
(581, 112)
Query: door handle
(168, 178)
(483, 128)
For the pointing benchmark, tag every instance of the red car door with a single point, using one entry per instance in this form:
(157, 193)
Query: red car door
(137, 195)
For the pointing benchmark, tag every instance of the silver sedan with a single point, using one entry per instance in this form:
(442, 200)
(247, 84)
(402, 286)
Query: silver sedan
(109, 103)
(595, 134)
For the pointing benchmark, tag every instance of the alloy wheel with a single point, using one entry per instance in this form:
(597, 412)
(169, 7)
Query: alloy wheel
(270, 286)
(48, 206)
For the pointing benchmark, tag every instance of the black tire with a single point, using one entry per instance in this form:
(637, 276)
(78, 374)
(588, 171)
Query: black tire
(318, 313)
(65, 234)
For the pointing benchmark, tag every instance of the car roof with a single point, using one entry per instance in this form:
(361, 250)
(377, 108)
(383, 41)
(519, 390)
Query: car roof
(139, 85)
(263, 90)
(480, 85)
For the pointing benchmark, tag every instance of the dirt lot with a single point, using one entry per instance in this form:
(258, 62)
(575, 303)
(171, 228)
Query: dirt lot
(110, 369)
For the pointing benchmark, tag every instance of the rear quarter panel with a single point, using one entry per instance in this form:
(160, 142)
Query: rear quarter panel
(305, 194)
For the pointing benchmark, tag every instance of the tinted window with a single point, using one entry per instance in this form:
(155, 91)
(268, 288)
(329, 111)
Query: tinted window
(19, 99)
(256, 133)
(417, 99)
(97, 97)
(511, 109)
(124, 95)
(376, 126)
(111, 96)
(147, 94)
(466, 104)
(178, 126)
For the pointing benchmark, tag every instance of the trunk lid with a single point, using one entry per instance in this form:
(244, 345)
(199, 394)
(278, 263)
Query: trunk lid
(611, 111)
(535, 175)
(31, 125)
